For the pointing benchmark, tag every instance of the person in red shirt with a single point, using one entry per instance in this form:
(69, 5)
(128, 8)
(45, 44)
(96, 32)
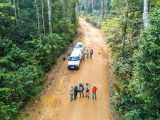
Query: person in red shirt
(94, 89)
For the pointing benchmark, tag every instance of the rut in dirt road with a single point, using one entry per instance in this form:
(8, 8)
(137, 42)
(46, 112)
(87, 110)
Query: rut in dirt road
(55, 103)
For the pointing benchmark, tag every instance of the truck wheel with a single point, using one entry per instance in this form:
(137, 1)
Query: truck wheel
(68, 68)
(78, 68)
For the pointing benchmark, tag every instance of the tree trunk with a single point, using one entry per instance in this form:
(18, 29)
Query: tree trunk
(145, 14)
(66, 8)
(37, 14)
(92, 5)
(106, 5)
(44, 31)
(15, 9)
(86, 6)
(61, 9)
(49, 17)
(124, 29)
(103, 9)
(73, 12)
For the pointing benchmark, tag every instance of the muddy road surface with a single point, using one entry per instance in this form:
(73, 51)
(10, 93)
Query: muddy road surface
(54, 103)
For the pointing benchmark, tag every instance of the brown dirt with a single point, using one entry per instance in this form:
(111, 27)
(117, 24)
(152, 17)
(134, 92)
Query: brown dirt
(54, 103)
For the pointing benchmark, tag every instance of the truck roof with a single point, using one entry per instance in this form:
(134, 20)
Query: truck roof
(75, 53)
(79, 43)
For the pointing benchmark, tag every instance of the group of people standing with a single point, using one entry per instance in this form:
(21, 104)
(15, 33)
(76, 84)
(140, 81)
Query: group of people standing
(79, 89)
(87, 53)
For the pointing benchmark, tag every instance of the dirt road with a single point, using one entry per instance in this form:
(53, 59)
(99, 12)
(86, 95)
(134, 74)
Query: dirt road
(55, 104)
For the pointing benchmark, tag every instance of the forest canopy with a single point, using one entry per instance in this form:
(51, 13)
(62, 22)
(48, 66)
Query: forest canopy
(132, 30)
(33, 33)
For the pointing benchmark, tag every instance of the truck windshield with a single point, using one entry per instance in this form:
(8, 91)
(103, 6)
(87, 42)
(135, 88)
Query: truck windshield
(74, 59)
(78, 46)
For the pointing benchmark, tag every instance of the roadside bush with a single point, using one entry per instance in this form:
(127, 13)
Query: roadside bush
(47, 49)
(22, 71)
(8, 112)
(133, 115)
(111, 28)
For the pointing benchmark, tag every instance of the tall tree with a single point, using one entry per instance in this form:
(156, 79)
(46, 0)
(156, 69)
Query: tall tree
(104, 7)
(87, 4)
(38, 17)
(145, 14)
(92, 5)
(49, 16)
(73, 11)
(42, 7)
(15, 9)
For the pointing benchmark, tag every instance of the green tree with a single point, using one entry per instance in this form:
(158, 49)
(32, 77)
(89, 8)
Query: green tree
(28, 48)
(147, 67)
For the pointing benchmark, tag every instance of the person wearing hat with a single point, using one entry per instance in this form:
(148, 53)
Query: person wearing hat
(71, 93)
(94, 89)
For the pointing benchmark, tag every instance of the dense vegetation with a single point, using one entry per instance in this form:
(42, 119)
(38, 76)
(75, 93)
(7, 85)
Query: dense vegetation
(33, 33)
(135, 44)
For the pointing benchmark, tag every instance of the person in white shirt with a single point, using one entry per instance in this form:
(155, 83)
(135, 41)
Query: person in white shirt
(81, 89)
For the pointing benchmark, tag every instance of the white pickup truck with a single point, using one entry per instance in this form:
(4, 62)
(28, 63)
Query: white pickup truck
(79, 46)
(75, 59)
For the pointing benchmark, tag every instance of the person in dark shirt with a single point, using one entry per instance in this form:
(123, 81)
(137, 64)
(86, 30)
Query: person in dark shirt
(81, 89)
(75, 92)
(91, 53)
